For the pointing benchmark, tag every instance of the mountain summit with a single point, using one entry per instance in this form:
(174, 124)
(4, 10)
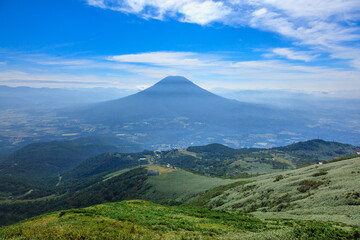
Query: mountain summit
(176, 108)
(174, 80)
(172, 97)
(175, 85)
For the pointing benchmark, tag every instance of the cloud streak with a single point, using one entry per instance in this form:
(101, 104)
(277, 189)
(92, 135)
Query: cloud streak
(293, 55)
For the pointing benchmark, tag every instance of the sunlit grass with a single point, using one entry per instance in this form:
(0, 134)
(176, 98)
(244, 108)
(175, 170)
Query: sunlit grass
(144, 220)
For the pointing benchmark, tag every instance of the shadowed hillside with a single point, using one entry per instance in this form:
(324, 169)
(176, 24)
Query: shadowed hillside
(46, 159)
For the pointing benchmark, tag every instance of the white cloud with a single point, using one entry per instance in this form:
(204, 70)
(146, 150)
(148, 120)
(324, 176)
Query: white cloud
(208, 70)
(321, 25)
(204, 12)
(163, 59)
(294, 55)
(65, 62)
(314, 9)
(97, 3)
(200, 12)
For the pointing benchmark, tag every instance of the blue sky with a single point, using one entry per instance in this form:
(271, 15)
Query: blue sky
(238, 44)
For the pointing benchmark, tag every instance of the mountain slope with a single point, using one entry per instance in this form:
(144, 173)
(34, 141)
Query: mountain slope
(46, 159)
(144, 220)
(321, 192)
(175, 111)
(170, 98)
(170, 187)
(309, 152)
(220, 160)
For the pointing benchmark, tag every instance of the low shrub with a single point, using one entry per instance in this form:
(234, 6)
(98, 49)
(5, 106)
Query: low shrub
(306, 185)
(320, 173)
(278, 178)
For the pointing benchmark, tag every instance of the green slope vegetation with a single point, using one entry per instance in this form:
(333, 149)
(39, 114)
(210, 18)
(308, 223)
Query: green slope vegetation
(107, 162)
(178, 186)
(46, 159)
(36, 167)
(322, 192)
(129, 185)
(219, 160)
(145, 220)
(113, 177)
(310, 152)
(171, 187)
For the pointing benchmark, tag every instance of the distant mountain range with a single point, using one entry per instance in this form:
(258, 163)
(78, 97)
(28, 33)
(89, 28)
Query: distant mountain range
(173, 113)
(32, 99)
(176, 110)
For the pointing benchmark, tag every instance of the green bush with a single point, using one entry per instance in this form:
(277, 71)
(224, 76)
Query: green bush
(320, 173)
(278, 178)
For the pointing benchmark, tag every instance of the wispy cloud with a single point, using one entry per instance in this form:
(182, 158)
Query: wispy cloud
(320, 25)
(200, 12)
(189, 59)
(208, 70)
(293, 54)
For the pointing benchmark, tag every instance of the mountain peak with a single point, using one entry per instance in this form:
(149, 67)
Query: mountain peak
(175, 85)
(174, 80)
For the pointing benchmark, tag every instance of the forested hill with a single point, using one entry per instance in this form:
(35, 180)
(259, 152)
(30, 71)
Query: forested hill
(45, 159)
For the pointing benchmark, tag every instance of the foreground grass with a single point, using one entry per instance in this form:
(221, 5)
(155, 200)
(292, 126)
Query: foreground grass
(144, 220)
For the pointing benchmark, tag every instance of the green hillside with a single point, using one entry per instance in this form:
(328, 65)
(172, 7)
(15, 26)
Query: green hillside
(105, 162)
(327, 192)
(39, 160)
(36, 167)
(145, 220)
(49, 158)
(310, 152)
(113, 177)
(220, 160)
(171, 187)
(178, 186)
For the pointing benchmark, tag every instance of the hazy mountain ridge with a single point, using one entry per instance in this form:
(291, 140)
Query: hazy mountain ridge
(174, 113)
(32, 99)
(38, 160)
(177, 112)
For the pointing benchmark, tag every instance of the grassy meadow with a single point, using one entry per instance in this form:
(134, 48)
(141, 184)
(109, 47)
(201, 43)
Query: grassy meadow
(138, 219)
(179, 185)
(327, 192)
